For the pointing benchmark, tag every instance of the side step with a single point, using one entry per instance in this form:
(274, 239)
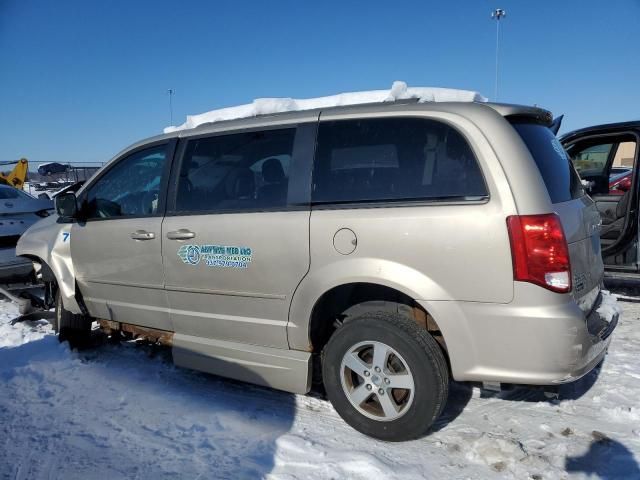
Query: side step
(288, 370)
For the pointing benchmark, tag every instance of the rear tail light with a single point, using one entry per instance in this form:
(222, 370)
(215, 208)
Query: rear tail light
(539, 251)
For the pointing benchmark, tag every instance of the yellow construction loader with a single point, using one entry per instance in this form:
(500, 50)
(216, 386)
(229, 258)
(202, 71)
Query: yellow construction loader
(17, 176)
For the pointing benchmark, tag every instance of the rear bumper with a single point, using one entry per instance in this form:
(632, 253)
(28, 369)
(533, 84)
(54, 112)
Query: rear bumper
(595, 355)
(544, 340)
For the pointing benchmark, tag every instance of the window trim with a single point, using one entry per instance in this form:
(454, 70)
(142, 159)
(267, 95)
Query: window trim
(400, 202)
(170, 149)
(299, 189)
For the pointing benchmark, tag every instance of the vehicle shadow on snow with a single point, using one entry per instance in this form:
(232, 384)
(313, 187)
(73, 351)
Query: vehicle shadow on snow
(460, 395)
(165, 421)
(246, 420)
(568, 391)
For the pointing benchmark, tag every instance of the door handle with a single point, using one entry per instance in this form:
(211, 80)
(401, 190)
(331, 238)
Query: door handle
(182, 234)
(143, 235)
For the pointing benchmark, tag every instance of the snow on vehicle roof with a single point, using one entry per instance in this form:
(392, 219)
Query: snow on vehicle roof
(266, 106)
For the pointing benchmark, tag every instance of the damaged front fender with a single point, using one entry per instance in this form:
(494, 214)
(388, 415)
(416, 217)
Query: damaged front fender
(49, 241)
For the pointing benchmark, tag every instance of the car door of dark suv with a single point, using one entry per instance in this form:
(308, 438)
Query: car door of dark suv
(605, 156)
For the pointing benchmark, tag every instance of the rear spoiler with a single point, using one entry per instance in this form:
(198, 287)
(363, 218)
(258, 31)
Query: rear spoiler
(555, 125)
(523, 113)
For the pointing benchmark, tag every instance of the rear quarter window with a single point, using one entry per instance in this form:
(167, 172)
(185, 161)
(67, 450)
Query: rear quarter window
(559, 176)
(394, 159)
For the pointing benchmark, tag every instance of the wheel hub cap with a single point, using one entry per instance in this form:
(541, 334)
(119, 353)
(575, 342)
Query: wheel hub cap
(377, 381)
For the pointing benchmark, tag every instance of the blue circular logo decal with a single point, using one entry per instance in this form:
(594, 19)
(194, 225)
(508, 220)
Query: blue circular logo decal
(193, 254)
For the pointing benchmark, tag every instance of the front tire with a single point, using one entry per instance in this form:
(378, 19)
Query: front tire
(71, 327)
(385, 376)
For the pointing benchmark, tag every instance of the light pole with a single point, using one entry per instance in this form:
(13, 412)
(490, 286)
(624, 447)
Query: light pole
(171, 91)
(497, 15)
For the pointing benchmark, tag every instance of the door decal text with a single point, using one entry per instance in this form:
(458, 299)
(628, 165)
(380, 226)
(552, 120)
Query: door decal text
(222, 256)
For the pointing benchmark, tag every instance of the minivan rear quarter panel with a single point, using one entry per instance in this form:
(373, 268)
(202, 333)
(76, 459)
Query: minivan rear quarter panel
(431, 251)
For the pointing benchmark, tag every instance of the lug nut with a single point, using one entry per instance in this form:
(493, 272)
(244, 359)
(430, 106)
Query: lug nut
(381, 392)
(378, 369)
(366, 373)
(369, 386)
(387, 381)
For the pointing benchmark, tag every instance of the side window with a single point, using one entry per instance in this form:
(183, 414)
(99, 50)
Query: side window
(625, 155)
(393, 159)
(129, 188)
(606, 166)
(592, 160)
(242, 171)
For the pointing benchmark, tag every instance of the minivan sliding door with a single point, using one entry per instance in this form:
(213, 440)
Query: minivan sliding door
(236, 236)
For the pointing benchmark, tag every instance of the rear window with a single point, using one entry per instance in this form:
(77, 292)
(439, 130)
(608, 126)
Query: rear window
(560, 178)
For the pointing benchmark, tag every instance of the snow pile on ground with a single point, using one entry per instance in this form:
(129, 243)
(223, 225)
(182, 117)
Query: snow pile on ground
(265, 106)
(14, 335)
(124, 411)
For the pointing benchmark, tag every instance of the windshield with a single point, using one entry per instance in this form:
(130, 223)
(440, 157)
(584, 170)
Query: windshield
(560, 178)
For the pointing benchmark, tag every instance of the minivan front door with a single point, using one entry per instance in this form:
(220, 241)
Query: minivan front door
(236, 239)
(116, 248)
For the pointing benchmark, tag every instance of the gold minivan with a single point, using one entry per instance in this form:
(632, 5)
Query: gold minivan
(383, 249)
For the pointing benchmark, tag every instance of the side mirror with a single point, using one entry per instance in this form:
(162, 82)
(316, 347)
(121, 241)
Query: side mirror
(67, 205)
(44, 196)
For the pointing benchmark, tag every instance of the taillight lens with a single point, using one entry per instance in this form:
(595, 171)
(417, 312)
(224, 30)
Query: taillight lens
(539, 251)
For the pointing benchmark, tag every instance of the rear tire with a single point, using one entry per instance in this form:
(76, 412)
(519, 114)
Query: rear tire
(71, 327)
(366, 357)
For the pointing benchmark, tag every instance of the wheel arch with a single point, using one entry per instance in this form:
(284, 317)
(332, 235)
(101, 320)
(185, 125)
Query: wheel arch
(68, 289)
(347, 301)
(49, 246)
(403, 279)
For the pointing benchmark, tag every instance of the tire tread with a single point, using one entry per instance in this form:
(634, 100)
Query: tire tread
(425, 342)
(72, 327)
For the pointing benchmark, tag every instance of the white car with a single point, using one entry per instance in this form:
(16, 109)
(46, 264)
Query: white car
(18, 211)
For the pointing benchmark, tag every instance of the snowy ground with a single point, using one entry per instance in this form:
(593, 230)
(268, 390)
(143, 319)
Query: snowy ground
(124, 411)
